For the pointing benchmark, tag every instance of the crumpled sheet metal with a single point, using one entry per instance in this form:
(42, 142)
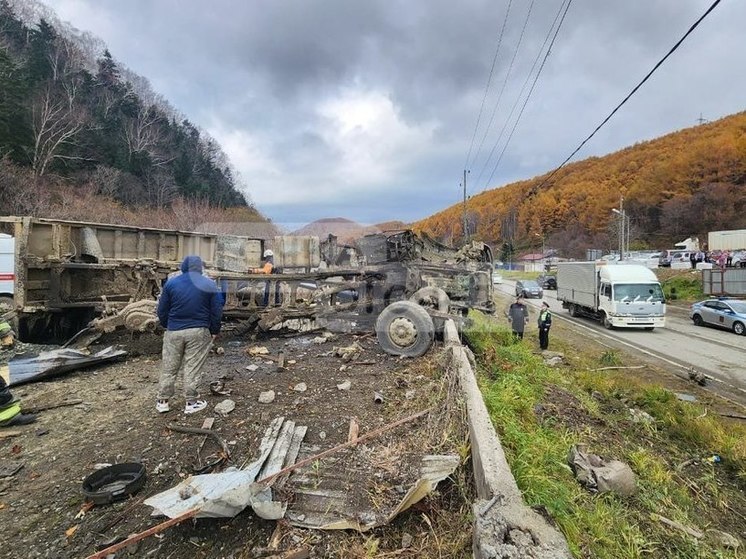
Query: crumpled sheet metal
(331, 509)
(31, 368)
(225, 494)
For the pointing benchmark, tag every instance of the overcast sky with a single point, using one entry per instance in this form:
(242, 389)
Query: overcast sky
(367, 109)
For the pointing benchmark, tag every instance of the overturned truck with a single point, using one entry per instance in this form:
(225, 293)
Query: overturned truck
(90, 277)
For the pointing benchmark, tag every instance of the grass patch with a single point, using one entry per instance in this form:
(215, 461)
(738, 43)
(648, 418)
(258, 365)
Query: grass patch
(540, 412)
(682, 285)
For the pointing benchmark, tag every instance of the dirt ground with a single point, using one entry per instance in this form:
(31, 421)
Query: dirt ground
(40, 506)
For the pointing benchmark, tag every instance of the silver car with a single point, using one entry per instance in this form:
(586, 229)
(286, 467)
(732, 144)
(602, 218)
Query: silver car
(724, 313)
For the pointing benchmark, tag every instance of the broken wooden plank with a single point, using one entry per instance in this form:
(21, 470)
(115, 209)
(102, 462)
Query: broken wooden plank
(354, 430)
(370, 435)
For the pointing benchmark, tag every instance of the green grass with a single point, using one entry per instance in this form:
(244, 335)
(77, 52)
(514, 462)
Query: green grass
(514, 382)
(683, 287)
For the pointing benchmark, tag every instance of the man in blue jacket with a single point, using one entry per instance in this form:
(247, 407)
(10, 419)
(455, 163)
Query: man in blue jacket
(190, 309)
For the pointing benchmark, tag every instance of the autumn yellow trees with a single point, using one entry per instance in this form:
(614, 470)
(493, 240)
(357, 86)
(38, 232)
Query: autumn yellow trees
(685, 183)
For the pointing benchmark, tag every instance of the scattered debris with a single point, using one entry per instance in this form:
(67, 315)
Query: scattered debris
(722, 539)
(257, 350)
(333, 510)
(225, 407)
(354, 430)
(114, 483)
(640, 416)
(348, 353)
(678, 525)
(318, 340)
(267, 397)
(300, 387)
(378, 398)
(6, 433)
(252, 367)
(345, 385)
(9, 469)
(32, 368)
(699, 378)
(223, 457)
(218, 388)
(219, 351)
(685, 397)
(599, 475)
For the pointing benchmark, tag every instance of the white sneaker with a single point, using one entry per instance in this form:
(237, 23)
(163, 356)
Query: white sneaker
(161, 406)
(194, 407)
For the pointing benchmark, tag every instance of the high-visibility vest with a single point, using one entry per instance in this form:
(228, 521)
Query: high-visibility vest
(9, 412)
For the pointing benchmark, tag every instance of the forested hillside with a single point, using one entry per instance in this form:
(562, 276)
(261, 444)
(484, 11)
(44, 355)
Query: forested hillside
(79, 132)
(683, 184)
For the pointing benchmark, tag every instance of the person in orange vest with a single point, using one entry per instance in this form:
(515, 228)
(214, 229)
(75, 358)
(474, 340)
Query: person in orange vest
(267, 268)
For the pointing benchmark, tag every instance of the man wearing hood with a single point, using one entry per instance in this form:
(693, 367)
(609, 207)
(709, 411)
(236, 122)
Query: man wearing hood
(190, 308)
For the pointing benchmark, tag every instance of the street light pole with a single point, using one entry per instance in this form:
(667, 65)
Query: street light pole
(622, 226)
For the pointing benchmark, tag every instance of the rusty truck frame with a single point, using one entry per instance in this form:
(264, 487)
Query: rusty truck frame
(73, 276)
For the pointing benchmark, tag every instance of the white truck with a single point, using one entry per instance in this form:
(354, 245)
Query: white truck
(616, 294)
(727, 240)
(7, 272)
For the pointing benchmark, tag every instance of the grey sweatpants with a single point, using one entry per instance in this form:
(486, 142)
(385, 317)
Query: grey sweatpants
(186, 350)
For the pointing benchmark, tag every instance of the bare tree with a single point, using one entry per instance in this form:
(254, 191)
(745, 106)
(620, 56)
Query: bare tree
(56, 121)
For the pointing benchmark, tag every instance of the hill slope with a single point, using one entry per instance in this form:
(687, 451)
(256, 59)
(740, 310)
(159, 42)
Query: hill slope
(71, 115)
(683, 184)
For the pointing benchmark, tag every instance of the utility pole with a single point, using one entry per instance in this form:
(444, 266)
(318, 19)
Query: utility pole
(466, 229)
(701, 120)
(622, 225)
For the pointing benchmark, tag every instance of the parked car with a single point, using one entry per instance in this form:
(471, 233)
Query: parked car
(723, 313)
(528, 289)
(547, 281)
(497, 279)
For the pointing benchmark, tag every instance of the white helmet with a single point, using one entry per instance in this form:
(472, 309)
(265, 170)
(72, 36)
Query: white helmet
(268, 253)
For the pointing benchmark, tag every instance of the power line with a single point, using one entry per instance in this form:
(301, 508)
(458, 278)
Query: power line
(502, 90)
(520, 93)
(533, 85)
(489, 81)
(630, 94)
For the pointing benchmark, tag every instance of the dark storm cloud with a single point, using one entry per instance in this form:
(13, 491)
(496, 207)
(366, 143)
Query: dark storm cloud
(367, 109)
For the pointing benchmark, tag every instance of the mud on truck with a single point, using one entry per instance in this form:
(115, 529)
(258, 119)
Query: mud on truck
(79, 280)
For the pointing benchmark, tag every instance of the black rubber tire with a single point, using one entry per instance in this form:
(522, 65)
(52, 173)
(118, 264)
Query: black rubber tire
(573, 310)
(405, 328)
(739, 328)
(697, 319)
(606, 322)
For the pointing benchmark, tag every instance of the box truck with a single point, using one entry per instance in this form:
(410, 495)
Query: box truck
(616, 294)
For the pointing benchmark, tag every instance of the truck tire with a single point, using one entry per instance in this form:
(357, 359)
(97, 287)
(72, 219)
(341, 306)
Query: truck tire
(404, 328)
(606, 322)
(573, 310)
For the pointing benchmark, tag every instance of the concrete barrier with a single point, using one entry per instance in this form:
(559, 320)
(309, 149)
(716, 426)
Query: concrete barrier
(504, 527)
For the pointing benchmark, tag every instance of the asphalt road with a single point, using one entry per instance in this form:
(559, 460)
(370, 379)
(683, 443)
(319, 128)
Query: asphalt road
(721, 354)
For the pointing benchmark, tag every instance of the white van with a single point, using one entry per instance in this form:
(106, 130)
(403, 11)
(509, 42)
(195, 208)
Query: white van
(7, 271)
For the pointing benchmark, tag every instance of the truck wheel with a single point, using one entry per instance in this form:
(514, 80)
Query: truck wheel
(649, 328)
(698, 320)
(405, 328)
(739, 328)
(573, 310)
(606, 322)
